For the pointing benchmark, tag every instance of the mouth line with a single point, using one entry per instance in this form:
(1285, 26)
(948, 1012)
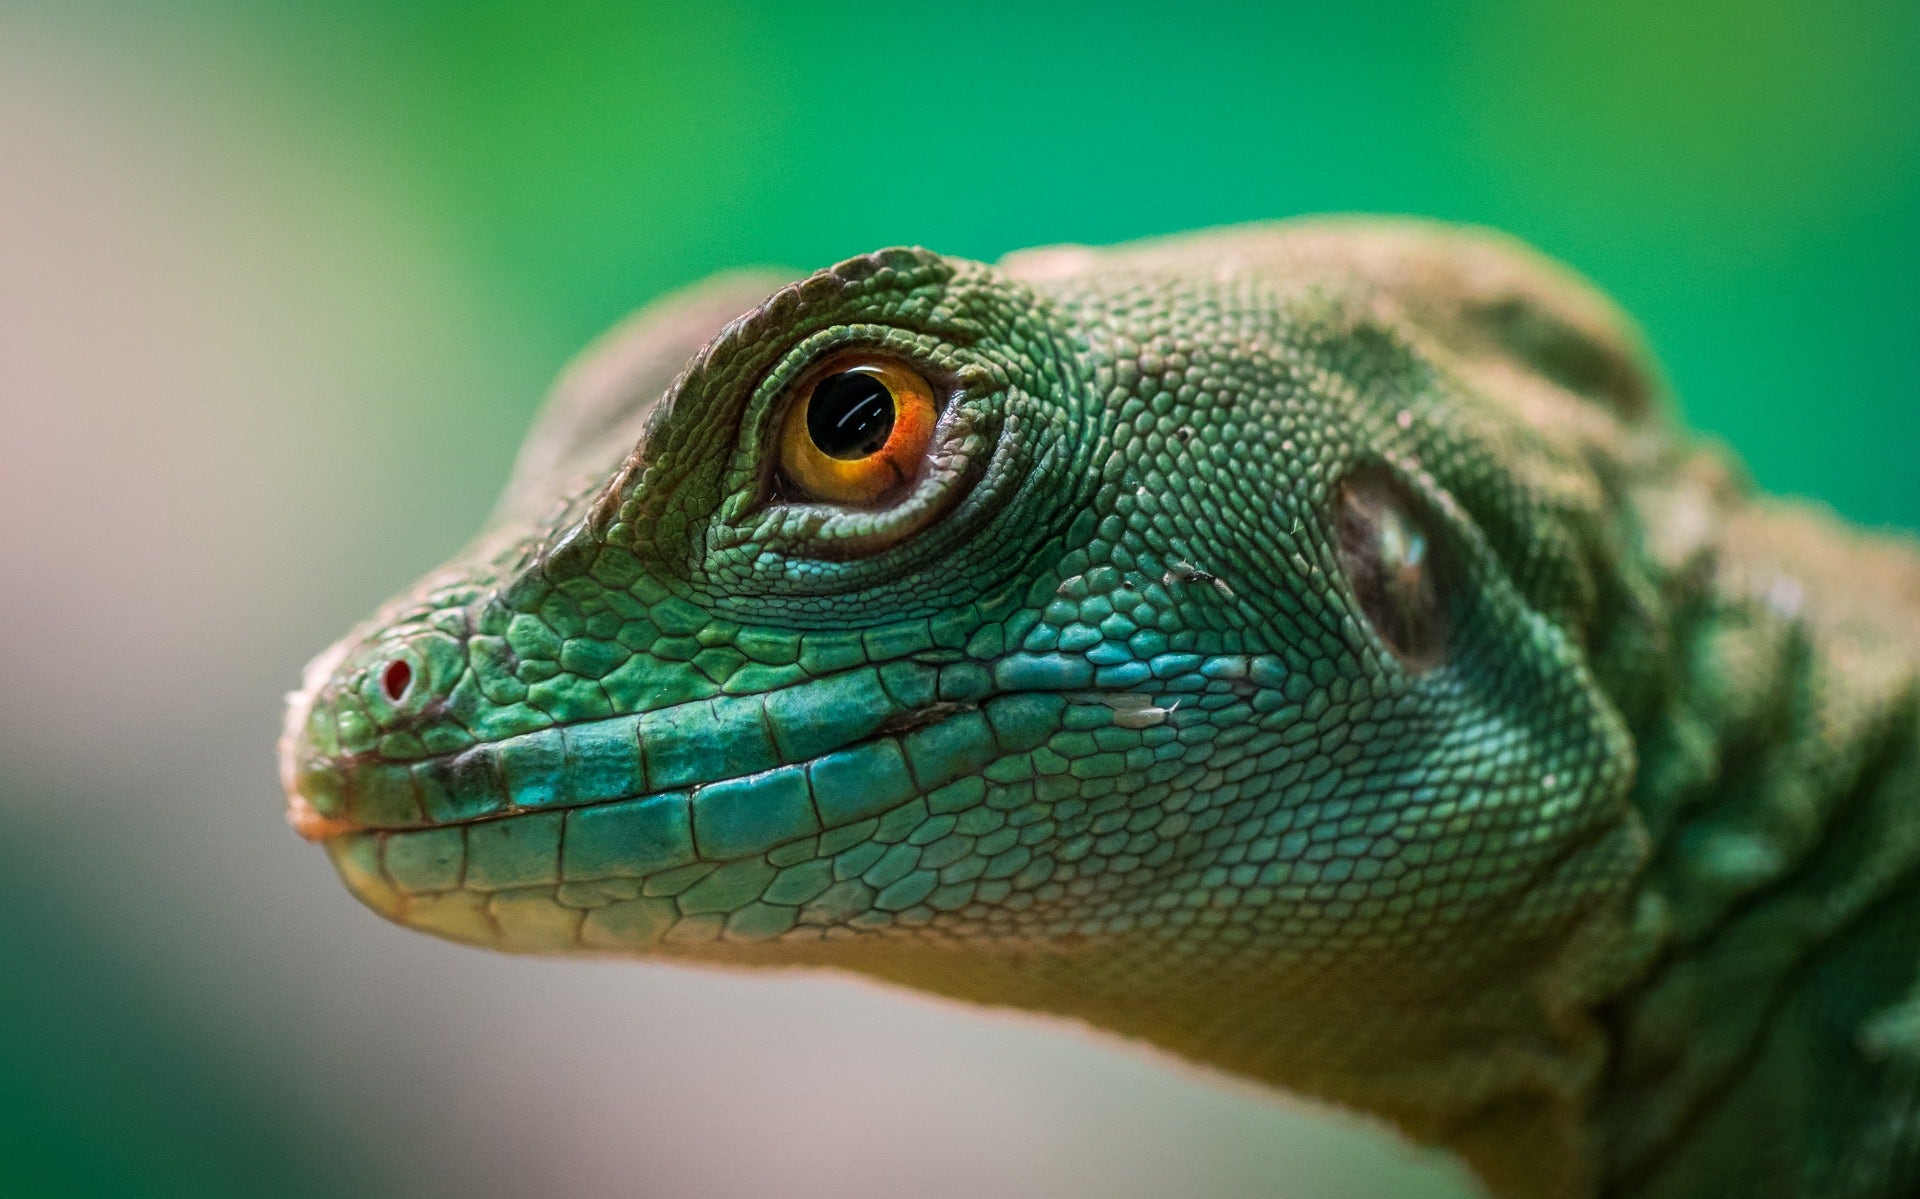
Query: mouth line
(820, 745)
(636, 834)
(674, 747)
(312, 825)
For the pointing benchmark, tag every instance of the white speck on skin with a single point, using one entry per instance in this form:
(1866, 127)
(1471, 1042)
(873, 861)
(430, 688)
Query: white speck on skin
(1141, 718)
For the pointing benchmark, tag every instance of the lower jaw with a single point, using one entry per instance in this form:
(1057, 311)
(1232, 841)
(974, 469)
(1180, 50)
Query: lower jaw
(513, 884)
(612, 915)
(698, 908)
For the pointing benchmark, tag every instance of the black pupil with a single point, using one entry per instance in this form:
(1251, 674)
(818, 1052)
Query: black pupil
(850, 415)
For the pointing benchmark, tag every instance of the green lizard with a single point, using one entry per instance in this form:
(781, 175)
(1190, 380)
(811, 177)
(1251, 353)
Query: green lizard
(1309, 648)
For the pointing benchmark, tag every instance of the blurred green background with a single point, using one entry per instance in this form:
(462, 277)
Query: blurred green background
(281, 283)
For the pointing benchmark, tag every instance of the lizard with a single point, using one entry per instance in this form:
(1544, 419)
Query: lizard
(1315, 649)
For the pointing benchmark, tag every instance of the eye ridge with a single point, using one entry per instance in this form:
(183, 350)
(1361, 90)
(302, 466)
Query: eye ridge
(1396, 563)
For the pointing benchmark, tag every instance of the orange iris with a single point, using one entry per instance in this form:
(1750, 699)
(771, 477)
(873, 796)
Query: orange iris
(859, 431)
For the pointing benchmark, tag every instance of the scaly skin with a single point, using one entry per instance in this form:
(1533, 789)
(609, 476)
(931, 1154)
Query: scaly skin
(1616, 898)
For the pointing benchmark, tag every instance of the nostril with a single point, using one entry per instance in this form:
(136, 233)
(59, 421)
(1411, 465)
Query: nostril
(395, 679)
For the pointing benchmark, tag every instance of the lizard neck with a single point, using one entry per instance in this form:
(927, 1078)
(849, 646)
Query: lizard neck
(1769, 1048)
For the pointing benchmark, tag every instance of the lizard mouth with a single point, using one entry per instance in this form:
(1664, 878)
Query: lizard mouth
(417, 873)
(567, 769)
(671, 747)
(307, 819)
(509, 842)
(708, 780)
(309, 823)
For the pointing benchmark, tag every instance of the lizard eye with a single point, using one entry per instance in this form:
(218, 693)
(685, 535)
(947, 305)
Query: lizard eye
(858, 430)
(1393, 561)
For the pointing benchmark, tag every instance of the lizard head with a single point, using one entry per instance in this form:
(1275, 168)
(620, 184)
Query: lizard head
(1204, 639)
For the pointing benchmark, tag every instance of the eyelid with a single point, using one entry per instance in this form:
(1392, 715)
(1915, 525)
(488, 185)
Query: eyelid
(770, 543)
(762, 509)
